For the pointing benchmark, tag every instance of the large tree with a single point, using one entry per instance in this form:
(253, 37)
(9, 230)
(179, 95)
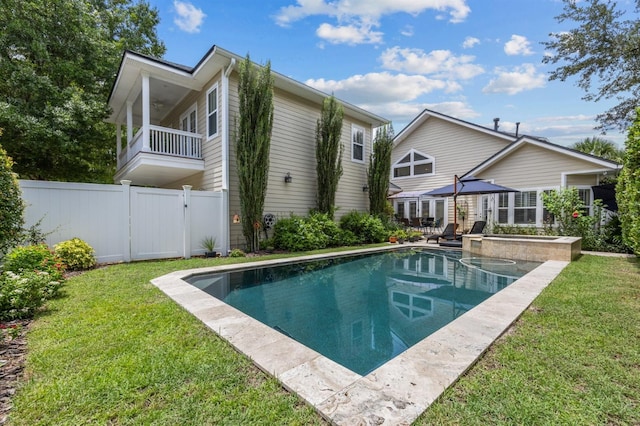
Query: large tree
(379, 171)
(329, 154)
(628, 188)
(603, 50)
(599, 147)
(58, 60)
(253, 144)
(11, 205)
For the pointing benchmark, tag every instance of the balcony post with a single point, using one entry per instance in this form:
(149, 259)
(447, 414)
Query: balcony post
(129, 122)
(118, 144)
(146, 104)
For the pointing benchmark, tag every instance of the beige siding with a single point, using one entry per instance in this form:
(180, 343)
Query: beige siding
(535, 167)
(456, 150)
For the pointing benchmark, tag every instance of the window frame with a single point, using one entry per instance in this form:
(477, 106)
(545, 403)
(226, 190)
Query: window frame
(208, 113)
(412, 165)
(354, 131)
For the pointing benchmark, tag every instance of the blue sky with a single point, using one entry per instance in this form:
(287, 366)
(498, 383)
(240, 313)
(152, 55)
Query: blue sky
(472, 59)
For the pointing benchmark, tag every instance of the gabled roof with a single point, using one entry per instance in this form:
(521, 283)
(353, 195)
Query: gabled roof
(511, 148)
(426, 114)
(194, 78)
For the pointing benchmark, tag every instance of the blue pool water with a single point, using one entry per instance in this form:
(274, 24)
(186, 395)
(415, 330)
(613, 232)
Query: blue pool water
(362, 311)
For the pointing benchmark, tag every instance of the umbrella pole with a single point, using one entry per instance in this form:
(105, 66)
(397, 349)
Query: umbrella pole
(455, 204)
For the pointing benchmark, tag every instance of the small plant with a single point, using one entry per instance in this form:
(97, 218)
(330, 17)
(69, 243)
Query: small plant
(237, 253)
(76, 254)
(9, 332)
(37, 257)
(208, 243)
(24, 293)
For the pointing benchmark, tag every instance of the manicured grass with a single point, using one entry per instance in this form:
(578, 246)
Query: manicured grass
(573, 358)
(115, 350)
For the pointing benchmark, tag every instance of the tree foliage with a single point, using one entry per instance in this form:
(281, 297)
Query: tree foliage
(600, 148)
(253, 143)
(329, 154)
(379, 171)
(11, 205)
(58, 60)
(628, 188)
(604, 52)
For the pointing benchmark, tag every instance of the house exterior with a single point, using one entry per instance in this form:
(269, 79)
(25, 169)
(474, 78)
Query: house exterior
(175, 125)
(434, 148)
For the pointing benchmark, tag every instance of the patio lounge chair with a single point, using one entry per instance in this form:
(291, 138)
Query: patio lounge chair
(449, 233)
(478, 227)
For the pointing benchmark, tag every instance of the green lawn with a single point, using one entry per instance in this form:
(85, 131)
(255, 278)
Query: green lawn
(116, 351)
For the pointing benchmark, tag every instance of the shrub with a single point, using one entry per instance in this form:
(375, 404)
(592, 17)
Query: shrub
(21, 295)
(237, 253)
(11, 205)
(76, 254)
(37, 257)
(299, 234)
(498, 228)
(366, 228)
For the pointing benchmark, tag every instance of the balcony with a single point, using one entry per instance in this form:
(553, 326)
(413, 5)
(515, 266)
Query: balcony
(160, 156)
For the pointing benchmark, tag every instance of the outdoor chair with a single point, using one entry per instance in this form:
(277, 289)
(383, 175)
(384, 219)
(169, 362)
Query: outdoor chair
(428, 223)
(449, 233)
(416, 223)
(478, 227)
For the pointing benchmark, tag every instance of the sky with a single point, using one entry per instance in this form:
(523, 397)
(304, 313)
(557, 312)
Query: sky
(475, 60)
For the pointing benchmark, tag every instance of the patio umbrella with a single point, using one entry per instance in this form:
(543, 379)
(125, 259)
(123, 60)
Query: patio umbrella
(468, 185)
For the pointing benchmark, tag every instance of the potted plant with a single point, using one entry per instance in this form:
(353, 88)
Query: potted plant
(209, 244)
(402, 235)
(415, 236)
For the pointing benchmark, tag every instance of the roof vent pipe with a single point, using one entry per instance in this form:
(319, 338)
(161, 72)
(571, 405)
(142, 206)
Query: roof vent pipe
(517, 127)
(495, 123)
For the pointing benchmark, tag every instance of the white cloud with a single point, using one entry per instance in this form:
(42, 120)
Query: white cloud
(518, 45)
(439, 63)
(469, 42)
(349, 34)
(376, 88)
(189, 17)
(524, 77)
(407, 31)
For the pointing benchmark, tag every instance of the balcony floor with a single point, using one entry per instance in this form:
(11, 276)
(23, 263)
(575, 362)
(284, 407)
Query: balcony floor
(148, 169)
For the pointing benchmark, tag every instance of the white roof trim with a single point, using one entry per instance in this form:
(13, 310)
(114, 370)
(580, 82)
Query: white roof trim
(426, 114)
(546, 145)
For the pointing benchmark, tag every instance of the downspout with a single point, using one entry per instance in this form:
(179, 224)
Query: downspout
(225, 151)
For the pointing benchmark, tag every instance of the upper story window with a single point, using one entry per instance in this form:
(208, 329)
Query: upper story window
(414, 164)
(189, 121)
(357, 144)
(212, 111)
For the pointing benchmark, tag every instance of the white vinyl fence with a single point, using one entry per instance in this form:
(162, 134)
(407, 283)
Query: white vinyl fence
(123, 222)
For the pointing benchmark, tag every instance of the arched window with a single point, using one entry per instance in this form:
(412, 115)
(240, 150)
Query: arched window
(414, 164)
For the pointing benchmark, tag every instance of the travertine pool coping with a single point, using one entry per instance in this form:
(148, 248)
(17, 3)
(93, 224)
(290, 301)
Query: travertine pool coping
(397, 392)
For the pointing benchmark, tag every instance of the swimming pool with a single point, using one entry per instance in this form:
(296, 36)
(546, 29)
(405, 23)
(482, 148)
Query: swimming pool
(361, 311)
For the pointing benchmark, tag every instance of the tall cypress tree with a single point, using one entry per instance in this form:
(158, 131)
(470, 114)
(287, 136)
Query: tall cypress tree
(253, 143)
(379, 171)
(628, 188)
(329, 154)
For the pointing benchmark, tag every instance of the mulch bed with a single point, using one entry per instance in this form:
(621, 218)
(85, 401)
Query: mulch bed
(12, 358)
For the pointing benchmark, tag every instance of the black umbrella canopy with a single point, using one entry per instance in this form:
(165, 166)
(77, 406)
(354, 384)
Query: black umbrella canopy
(468, 186)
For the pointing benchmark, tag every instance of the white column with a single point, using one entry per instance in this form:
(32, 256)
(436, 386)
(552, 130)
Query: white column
(118, 144)
(146, 104)
(186, 248)
(126, 213)
(129, 122)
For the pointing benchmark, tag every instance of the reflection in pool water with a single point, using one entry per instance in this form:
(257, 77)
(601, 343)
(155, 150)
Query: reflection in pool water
(361, 311)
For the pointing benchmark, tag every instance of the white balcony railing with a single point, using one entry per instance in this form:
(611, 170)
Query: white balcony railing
(165, 141)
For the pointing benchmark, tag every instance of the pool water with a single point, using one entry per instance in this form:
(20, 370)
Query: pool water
(361, 311)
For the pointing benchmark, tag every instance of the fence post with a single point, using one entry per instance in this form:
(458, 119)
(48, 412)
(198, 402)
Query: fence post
(126, 212)
(186, 251)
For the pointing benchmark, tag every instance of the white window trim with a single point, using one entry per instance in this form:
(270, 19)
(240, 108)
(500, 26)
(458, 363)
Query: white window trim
(206, 113)
(187, 113)
(355, 128)
(412, 164)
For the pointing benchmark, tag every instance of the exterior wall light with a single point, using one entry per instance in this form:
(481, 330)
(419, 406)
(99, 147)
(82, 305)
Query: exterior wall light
(365, 188)
(288, 178)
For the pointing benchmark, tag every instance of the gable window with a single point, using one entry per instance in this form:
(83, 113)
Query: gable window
(357, 144)
(414, 164)
(212, 112)
(188, 120)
